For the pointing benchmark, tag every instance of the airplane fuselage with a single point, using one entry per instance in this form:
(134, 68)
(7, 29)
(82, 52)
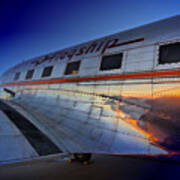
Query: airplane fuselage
(117, 94)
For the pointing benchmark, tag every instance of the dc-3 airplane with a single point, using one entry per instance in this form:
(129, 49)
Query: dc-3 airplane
(117, 94)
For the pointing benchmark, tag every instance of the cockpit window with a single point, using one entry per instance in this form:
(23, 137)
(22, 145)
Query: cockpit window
(29, 74)
(17, 76)
(47, 71)
(169, 53)
(111, 62)
(72, 68)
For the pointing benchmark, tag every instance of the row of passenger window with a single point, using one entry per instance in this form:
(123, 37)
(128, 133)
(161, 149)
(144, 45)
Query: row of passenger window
(108, 63)
(167, 54)
(71, 68)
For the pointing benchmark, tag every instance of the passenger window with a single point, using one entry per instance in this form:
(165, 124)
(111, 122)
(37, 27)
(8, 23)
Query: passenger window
(111, 62)
(72, 68)
(169, 53)
(17, 76)
(47, 71)
(29, 74)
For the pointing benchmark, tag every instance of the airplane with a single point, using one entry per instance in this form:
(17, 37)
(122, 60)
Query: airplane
(119, 94)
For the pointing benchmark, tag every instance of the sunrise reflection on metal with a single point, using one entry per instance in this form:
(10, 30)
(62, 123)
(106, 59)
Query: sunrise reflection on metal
(119, 94)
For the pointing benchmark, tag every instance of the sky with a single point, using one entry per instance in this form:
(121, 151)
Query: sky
(30, 28)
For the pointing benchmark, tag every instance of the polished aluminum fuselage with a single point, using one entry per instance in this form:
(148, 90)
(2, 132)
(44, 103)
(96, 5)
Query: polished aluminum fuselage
(134, 109)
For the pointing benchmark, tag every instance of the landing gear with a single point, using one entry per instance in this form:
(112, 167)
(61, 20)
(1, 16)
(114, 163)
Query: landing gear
(84, 158)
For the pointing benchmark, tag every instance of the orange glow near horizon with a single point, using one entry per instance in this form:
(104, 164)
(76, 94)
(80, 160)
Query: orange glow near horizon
(134, 123)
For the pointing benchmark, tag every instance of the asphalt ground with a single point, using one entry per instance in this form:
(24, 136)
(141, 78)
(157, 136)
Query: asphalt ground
(102, 167)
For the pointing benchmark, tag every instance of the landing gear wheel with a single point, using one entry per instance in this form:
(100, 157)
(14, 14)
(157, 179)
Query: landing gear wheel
(83, 158)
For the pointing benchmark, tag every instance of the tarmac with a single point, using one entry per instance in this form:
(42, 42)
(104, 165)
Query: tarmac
(102, 167)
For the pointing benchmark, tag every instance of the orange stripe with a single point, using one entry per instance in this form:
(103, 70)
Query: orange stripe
(98, 78)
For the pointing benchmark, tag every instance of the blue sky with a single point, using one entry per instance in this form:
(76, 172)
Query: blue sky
(35, 27)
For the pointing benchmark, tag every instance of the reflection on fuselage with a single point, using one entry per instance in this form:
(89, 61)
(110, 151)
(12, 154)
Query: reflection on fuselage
(160, 121)
(147, 107)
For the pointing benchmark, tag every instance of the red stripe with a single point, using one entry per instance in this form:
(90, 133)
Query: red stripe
(129, 42)
(98, 78)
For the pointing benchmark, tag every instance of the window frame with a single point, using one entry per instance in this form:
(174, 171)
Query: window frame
(112, 69)
(65, 71)
(160, 61)
(44, 74)
(29, 74)
(17, 76)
